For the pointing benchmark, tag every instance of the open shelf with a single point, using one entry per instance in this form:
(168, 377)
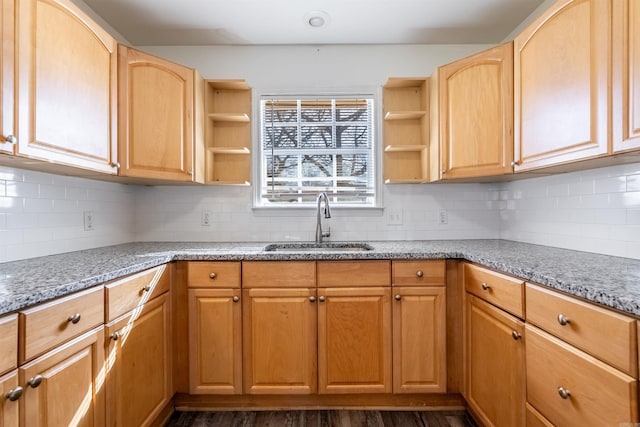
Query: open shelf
(228, 132)
(406, 130)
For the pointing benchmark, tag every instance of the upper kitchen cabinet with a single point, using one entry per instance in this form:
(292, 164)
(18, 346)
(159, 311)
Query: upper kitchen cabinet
(561, 79)
(626, 75)
(472, 116)
(406, 130)
(66, 86)
(228, 132)
(160, 123)
(7, 60)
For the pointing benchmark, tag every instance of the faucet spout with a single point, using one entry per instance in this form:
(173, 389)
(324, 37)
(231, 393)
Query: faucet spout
(327, 214)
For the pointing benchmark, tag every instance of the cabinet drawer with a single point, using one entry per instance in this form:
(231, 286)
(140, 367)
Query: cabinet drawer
(213, 274)
(535, 418)
(354, 273)
(279, 274)
(498, 289)
(8, 343)
(418, 273)
(609, 336)
(48, 325)
(599, 395)
(126, 294)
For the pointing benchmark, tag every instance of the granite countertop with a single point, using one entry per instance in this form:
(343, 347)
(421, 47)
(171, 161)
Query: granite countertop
(610, 281)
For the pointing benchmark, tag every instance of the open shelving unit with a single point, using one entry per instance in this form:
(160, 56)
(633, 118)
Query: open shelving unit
(228, 132)
(406, 130)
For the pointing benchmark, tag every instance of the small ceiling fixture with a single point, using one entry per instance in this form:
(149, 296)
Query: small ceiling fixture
(317, 18)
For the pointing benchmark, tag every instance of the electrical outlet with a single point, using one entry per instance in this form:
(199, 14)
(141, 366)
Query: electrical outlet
(443, 217)
(394, 217)
(206, 219)
(88, 220)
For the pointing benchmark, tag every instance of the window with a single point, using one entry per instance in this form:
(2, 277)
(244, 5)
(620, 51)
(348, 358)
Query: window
(308, 146)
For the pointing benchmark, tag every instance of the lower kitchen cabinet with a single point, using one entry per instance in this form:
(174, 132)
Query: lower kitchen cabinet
(419, 340)
(10, 398)
(138, 364)
(354, 340)
(280, 341)
(495, 364)
(64, 387)
(215, 341)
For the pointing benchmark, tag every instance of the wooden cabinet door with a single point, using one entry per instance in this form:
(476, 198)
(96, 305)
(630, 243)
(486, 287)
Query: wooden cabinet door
(139, 364)
(156, 117)
(626, 75)
(419, 340)
(215, 341)
(354, 340)
(476, 114)
(495, 373)
(67, 86)
(10, 407)
(561, 80)
(279, 341)
(7, 80)
(66, 384)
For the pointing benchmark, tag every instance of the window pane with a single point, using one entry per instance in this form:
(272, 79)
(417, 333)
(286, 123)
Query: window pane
(352, 111)
(352, 136)
(283, 136)
(281, 111)
(316, 137)
(317, 166)
(352, 165)
(282, 166)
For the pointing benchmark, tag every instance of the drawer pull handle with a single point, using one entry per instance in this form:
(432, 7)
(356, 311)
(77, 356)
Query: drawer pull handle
(212, 275)
(146, 288)
(115, 336)
(419, 273)
(15, 394)
(398, 297)
(312, 299)
(11, 139)
(485, 287)
(35, 381)
(564, 393)
(516, 335)
(236, 298)
(563, 320)
(74, 318)
(321, 299)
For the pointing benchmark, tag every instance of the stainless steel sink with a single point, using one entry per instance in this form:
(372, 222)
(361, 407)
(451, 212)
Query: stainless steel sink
(318, 247)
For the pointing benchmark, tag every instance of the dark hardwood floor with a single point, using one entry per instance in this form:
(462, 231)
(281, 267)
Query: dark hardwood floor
(322, 418)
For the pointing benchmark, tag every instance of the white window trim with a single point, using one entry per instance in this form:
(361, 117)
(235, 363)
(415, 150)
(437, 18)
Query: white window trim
(375, 92)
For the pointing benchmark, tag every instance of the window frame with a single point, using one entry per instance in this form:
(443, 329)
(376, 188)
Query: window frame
(376, 152)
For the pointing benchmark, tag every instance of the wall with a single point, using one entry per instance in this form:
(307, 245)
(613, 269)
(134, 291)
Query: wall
(42, 214)
(595, 210)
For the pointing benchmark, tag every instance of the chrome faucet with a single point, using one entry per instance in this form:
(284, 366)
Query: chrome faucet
(327, 214)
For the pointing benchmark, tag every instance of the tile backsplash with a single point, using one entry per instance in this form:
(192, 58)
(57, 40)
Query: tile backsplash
(596, 210)
(43, 214)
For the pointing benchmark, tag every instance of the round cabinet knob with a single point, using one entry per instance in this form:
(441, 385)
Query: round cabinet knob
(11, 139)
(419, 273)
(564, 393)
(563, 320)
(398, 297)
(115, 336)
(321, 299)
(485, 287)
(312, 298)
(35, 381)
(115, 165)
(15, 394)
(212, 275)
(74, 318)
(516, 335)
(146, 288)
(236, 298)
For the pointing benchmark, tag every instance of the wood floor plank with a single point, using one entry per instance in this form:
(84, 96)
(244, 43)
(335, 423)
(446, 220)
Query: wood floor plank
(320, 418)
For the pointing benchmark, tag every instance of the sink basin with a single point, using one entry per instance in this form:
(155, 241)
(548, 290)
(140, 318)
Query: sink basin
(318, 247)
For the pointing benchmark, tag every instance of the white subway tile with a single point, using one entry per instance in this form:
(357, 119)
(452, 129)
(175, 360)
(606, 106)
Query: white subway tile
(22, 189)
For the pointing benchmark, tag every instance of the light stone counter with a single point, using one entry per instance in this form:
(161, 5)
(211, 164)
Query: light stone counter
(611, 281)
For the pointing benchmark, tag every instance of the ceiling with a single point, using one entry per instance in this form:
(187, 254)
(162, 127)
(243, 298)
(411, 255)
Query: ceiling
(286, 22)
